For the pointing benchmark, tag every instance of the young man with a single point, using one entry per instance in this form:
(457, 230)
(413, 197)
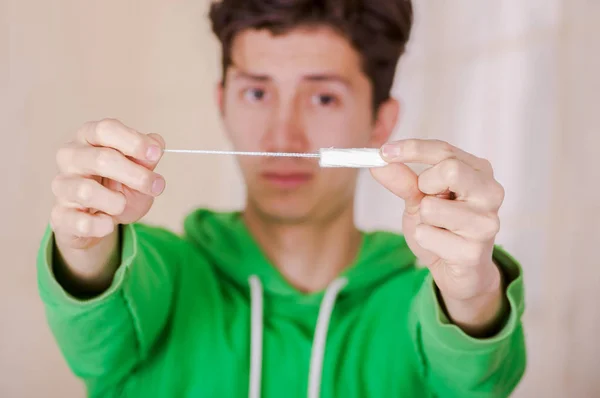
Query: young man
(288, 297)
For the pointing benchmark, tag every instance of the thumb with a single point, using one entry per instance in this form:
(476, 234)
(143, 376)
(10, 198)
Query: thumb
(399, 179)
(403, 182)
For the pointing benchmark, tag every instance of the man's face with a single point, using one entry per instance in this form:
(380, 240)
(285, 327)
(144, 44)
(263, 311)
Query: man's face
(298, 92)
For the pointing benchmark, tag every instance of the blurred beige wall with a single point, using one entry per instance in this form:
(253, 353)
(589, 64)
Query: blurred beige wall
(516, 81)
(152, 64)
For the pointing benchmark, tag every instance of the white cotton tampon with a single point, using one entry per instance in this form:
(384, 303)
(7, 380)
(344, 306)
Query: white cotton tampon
(352, 157)
(328, 157)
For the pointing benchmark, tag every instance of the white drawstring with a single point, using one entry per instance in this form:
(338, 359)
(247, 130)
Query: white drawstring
(256, 329)
(319, 340)
(318, 347)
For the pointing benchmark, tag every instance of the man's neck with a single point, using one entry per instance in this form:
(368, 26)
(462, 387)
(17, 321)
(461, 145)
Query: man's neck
(308, 255)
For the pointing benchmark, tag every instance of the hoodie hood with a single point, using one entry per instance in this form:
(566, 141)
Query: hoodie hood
(227, 243)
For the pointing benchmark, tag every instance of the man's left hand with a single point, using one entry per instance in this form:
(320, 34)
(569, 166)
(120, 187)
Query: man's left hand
(450, 223)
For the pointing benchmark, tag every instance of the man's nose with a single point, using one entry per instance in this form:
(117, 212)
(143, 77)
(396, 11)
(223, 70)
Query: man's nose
(286, 131)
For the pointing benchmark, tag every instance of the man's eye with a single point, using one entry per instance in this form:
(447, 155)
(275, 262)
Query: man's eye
(254, 94)
(324, 100)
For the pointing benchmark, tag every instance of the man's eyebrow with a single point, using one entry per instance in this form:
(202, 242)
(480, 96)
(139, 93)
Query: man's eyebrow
(239, 74)
(328, 77)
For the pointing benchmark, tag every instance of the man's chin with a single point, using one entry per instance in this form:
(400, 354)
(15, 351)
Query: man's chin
(280, 213)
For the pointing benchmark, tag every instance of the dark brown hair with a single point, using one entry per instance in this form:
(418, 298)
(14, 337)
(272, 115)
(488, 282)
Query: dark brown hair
(377, 29)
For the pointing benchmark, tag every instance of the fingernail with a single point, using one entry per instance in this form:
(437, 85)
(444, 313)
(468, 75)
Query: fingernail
(158, 186)
(391, 151)
(153, 153)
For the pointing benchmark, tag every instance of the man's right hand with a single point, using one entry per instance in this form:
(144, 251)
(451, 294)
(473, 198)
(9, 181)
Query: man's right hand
(105, 178)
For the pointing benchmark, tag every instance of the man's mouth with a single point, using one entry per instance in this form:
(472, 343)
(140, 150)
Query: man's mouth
(287, 180)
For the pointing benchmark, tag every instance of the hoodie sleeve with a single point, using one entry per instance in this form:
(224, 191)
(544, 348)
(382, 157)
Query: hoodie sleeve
(457, 365)
(104, 338)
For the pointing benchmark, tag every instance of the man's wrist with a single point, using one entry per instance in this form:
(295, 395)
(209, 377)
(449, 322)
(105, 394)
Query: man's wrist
(480, 316)
(86, 273)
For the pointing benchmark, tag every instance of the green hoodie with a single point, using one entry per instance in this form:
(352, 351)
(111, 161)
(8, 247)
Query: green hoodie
(207, 315)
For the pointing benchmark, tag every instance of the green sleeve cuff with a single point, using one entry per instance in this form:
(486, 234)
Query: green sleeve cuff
(438, 327)
(53, 293)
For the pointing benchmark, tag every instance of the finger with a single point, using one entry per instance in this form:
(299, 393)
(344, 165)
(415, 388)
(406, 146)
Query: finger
(112, 133)
(399, 179)
(86, 193)
(449, 175)
(151, 165)
(109, 163)
(465, 182)
(77, 223)
(460, 218)
(429, 152)
(450, 247)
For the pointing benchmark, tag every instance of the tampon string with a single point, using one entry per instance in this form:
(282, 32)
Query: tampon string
(328, 157)
(238, 153)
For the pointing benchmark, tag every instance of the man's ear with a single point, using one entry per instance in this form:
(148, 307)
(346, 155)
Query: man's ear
(220, 100)
(219, 92)
(387, 117)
